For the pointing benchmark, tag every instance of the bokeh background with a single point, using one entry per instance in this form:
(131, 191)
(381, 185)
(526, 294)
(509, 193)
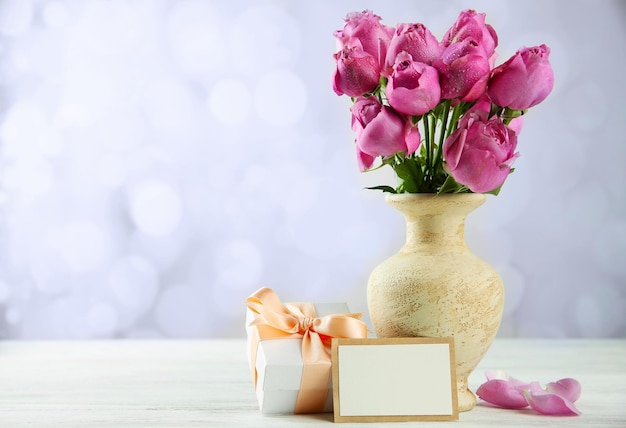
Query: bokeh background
(161, 160)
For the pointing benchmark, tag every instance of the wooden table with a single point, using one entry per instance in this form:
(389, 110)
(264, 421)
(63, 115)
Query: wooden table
(206, 383)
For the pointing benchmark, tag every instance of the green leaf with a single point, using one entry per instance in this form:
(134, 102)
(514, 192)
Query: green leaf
(451, 186)
(495, 191)
(382, 83)
(409, 176)
(387, 189)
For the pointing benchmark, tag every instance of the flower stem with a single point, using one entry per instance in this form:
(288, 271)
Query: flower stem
(442, 134)
(433, 147)
(456, 114)
(427, 142)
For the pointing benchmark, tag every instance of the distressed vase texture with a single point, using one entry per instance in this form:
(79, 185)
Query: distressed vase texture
(435, 286)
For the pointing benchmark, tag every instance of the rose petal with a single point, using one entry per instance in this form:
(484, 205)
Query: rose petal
(568, 388)
(521, 386)
(385, 135)
(364, 160)
(548, 403)
(497, 374)
(413, 138)
(517, 124)
(502, 393)
(501, 374)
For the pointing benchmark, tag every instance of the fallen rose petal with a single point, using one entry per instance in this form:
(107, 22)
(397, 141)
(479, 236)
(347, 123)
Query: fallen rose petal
(501, 374)
(497, 374)
(502, 393)
(549, 403)
(532, 386)
(568, 388)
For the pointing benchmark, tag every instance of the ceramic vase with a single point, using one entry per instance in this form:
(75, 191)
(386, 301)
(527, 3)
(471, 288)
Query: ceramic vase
(435, 286)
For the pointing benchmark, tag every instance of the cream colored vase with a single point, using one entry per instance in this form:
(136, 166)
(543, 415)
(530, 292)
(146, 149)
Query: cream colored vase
(435, 286)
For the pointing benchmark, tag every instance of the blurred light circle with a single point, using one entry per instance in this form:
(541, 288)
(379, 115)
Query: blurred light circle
(13, 316)
(5, 292)
(609, 247)
(514, 284)
(51, 143)
(280, 98)
(55, 14)
(574, 157)
(201, 267)
(111, 170)
(83, 244)
(298, 191)
(527, 327)
(112, 29)
(180, 313)
(52, 284)
(592, 98)
(515, 196)
(156, 208)
(72, 113)
(102, 319)
(15, 17)
(330, 228)
(123, 130)
(223, 298)
(239, 263)
(163, 252)
(134, 282)
(195, 36)
(168, 104)
(22, 129)
(32, 176)
(586, 210)
(601, 313)
(493, 244)
(262, 38)
(230, 101)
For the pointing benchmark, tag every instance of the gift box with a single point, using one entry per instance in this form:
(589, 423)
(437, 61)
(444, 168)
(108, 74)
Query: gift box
(289, 351)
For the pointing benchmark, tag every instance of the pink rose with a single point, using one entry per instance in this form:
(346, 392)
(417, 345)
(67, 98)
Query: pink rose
(464, 71)
(413, 87)
(524, 80)
(415, 39)
(366, 27)
(471, 25)
(479, 154)
(381, 131)
(356, 72)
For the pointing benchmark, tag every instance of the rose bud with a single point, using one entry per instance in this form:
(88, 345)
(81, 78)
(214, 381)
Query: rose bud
(524, 80)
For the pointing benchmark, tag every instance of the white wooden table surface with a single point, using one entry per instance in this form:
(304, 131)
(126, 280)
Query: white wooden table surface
(206, 383)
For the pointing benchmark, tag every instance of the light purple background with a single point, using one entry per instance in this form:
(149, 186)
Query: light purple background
(161, 160)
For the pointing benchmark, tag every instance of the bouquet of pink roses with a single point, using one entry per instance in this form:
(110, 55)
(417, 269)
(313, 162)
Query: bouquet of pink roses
(437, 112)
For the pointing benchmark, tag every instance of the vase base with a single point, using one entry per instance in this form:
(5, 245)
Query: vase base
(466, 400)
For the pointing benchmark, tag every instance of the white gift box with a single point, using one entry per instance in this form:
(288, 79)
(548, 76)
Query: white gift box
(279, 366)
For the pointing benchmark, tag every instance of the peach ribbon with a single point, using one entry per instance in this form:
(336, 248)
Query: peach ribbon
(298, 320)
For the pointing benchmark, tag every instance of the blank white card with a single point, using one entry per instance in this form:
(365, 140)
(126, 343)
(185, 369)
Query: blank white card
(394, 379)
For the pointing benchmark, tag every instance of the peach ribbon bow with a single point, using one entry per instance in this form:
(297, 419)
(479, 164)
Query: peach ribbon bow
(298, 320)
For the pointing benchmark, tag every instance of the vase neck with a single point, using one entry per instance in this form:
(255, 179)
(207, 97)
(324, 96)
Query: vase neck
(435, 222)
(439, 231)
